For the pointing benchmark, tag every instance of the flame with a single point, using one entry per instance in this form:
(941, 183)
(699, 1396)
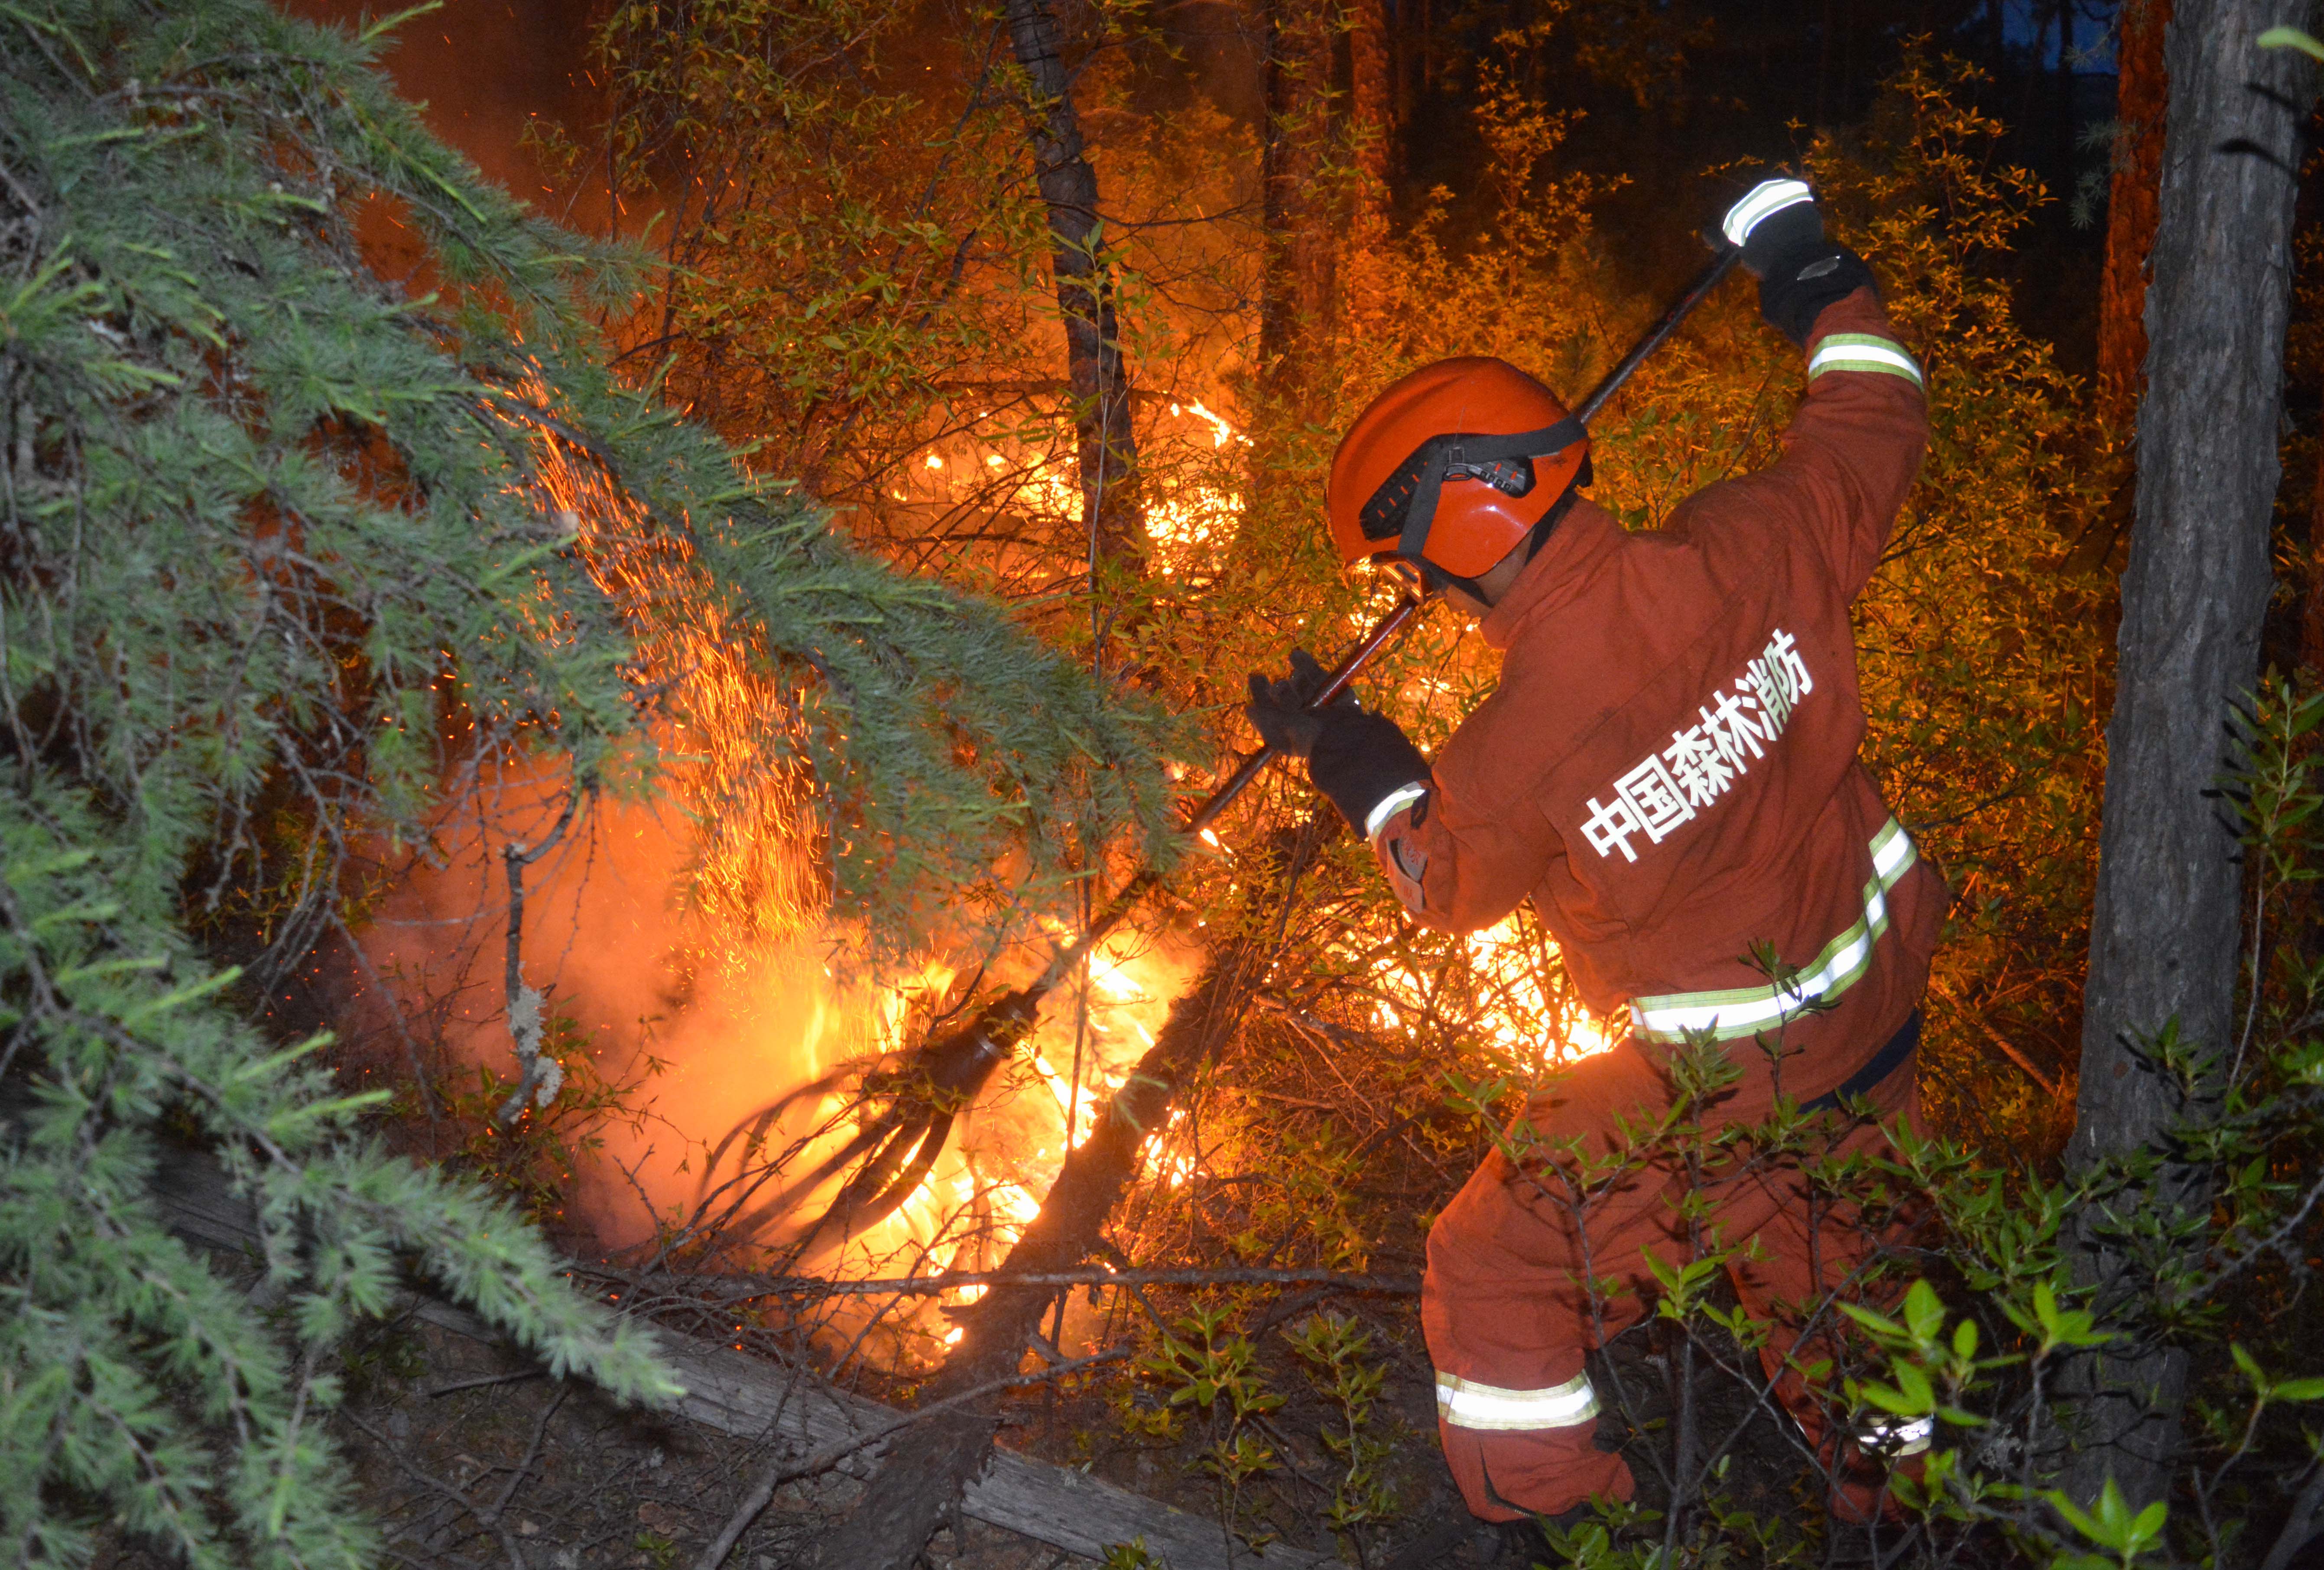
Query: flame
(1524, 1014)
(1184, 513)
(758, 885)
(1222, 432)
(726, 747)
(730, 744)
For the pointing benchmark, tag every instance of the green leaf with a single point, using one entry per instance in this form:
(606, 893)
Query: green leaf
(387, 24)
(1925, 1315)
(2292, 38)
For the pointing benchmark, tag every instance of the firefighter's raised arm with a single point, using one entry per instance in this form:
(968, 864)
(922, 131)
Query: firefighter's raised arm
(1854, 447)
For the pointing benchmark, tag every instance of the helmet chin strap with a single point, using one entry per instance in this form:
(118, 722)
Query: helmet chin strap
(1468, 451)
(1437, 580)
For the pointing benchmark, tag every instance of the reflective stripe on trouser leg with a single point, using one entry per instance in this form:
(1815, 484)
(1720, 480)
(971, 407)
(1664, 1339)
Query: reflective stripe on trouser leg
(1895, 1438)
(1472, 1404)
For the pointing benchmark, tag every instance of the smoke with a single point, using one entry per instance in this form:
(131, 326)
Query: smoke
(638, 982)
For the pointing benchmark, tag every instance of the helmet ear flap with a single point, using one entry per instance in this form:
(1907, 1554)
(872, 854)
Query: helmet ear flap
(1384, 510)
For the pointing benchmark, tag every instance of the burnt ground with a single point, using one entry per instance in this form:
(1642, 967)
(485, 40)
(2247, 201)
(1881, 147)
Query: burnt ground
(523, 1471)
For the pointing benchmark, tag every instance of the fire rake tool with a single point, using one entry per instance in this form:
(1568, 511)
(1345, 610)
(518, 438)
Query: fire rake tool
(899, 1146)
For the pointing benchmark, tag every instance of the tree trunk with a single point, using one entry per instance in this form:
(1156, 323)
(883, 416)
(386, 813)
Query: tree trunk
(2164, 931)
(1296, 291)
(1104, 443)
(916, 1488)
(2139, 97)
(1371, 145)
(2312, 616)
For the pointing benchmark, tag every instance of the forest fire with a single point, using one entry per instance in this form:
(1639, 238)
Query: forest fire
(776, 738)
(750, 927)
(976, 1179)
(1188, 505)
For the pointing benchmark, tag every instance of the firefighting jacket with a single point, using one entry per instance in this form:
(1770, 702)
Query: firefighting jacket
(1668, 765)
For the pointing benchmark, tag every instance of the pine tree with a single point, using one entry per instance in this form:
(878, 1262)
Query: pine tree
(283, 552)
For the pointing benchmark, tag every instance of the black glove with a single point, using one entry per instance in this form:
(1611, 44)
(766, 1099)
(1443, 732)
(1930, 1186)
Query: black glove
(1360, 760)
(1278, 711)
(1780, 228)
(1357, 759)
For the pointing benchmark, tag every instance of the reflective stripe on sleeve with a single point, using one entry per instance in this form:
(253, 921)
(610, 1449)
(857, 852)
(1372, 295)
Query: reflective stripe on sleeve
(1468, 1404)
(1765, 199)
(1863, 352)
(1394, 802)
(1744, 1010)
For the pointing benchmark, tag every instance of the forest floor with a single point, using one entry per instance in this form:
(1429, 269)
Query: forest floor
(469, 1456)
(467, 1453)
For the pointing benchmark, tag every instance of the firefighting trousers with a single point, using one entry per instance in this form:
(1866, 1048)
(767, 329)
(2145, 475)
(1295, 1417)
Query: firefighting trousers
(1507, 1305)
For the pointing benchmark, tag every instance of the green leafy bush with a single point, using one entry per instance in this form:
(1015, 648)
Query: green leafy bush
(280, 570)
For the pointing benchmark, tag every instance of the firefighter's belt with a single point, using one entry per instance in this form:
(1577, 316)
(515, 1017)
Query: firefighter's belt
(1884, 1063)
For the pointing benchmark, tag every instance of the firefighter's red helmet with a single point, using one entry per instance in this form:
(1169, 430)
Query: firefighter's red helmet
(1431, 468)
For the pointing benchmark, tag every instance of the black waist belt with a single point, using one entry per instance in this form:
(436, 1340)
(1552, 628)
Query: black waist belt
(1884, 1063)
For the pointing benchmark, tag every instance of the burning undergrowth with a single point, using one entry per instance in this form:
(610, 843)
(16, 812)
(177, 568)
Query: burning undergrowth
(725, 1067)
(736, 1082)
(746, 1064)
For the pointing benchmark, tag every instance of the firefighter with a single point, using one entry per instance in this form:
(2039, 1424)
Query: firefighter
(1668, 768)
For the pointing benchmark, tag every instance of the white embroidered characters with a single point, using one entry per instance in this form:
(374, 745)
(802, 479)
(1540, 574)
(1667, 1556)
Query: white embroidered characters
(1732, 731)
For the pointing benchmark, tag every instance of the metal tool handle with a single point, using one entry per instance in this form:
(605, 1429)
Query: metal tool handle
(1363, 653)
(1344, 673)
(1708, 279)
(1219, 801)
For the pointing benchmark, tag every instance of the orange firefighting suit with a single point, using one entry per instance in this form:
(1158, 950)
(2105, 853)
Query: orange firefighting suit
(1669, 768)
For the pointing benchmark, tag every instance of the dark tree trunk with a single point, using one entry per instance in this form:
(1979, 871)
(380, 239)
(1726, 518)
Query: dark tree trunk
(1371, 141)
(1404, 47)
(2131, 194)
(1297, 289)
(915, 1490)
(2164, 931)
(2311, 610)
(1106, 444)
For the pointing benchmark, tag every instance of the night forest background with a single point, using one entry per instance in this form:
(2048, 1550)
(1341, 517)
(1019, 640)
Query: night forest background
(590, 589)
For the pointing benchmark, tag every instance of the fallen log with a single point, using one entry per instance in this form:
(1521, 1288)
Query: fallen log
(740, 1395)
(931, 1465)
